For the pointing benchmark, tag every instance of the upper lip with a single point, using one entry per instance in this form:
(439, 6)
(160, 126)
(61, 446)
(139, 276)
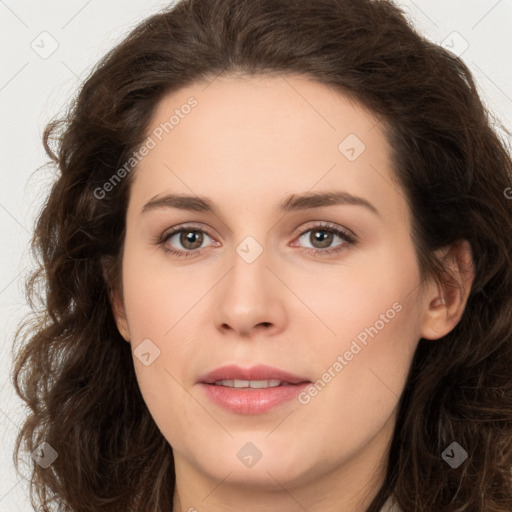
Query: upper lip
(258, 372)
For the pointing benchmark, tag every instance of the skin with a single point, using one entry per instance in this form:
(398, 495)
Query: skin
(249, 143)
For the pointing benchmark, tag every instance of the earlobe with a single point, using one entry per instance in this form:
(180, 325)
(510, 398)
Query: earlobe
(446, 300)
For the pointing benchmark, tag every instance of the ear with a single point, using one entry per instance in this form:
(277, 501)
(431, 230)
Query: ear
(445, 301)
(119, 315)
(115, 296)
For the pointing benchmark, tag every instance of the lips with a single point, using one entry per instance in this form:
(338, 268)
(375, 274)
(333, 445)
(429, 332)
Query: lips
(255, 373)
(255, 390)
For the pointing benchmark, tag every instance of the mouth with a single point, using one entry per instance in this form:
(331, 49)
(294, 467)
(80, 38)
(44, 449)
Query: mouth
(255, 377)
(255, 390)
(252, 384)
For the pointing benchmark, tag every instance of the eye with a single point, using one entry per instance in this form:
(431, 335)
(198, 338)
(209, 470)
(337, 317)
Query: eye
(189, 237)
(323, 235)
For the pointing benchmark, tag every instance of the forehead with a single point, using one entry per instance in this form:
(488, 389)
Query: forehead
(250, 138)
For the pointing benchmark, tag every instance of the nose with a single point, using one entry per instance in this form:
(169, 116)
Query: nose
(250, 298)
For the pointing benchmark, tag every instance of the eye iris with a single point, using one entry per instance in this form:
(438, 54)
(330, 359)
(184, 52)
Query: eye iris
(324, 241)
(188, 237)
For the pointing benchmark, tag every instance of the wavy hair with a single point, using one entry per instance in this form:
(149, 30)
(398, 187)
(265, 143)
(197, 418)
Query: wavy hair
(75, 372)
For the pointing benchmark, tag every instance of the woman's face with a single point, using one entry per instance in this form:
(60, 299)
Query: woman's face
(245, 287)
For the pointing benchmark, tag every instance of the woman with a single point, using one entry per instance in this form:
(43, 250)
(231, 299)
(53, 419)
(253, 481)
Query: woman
(277, 272)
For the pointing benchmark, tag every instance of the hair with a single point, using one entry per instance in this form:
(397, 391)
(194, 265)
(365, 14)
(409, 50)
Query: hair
(75, 371)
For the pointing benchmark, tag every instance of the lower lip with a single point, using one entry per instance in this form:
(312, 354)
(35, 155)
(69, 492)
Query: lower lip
(252, 401)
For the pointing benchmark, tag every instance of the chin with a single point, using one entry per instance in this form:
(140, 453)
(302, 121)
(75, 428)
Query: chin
(273, 470)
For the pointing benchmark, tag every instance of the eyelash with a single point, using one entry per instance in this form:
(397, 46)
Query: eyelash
(349, 239)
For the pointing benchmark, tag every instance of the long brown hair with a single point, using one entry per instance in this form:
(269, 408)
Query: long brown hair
(74, 370)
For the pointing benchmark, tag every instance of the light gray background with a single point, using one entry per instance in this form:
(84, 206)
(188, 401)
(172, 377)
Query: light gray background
(35, 86)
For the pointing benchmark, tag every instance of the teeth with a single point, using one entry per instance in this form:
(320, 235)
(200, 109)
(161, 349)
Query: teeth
(254, 384)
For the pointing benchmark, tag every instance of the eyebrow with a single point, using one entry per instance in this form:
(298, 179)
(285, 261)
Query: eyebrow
(294, 202)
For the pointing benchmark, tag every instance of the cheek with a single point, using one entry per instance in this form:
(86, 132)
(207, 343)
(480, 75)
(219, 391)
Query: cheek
(155, 298)
(362, 361)
(158, 307)
(172, 408)
(369, 298)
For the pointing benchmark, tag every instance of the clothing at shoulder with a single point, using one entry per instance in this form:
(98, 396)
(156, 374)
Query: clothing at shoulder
(390, 506)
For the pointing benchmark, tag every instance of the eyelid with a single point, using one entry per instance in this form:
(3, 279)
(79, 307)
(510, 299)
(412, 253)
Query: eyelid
(326, 225)
(176, 229)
